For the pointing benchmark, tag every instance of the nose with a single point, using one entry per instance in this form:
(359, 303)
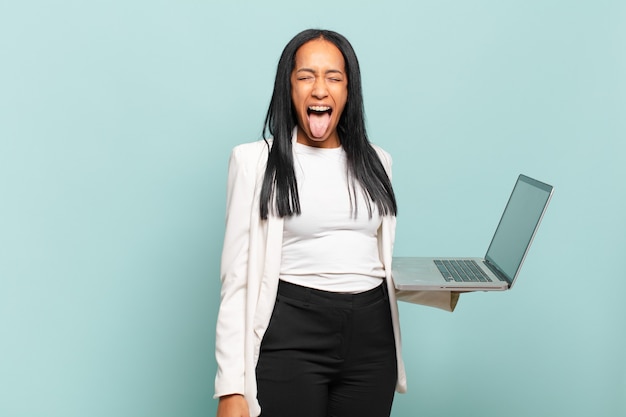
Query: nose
(319, 89)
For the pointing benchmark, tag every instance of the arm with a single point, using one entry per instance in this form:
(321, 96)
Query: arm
(230, 328)
(445, 300)
(234, 405)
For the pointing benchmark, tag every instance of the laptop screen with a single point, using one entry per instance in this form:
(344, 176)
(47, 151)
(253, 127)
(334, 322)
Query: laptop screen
(518, 224)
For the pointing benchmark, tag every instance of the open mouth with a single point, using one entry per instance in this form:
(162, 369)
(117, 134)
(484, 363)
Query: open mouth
(319, 119)
(319, 110)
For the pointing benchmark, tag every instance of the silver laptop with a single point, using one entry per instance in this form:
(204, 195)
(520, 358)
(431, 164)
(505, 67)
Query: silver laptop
(499, 269)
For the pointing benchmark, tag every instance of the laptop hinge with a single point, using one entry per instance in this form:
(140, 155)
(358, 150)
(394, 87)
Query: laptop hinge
(496, 271)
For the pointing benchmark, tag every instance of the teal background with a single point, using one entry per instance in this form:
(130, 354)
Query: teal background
(116, 122)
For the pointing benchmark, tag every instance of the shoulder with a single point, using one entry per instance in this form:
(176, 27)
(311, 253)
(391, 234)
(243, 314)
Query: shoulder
(250, 154)
(251, 149)
(385, 157)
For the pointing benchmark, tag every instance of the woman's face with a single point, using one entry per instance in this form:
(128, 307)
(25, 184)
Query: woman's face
(319, 90)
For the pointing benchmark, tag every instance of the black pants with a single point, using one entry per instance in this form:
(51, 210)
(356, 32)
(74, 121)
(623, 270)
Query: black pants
(327, 355)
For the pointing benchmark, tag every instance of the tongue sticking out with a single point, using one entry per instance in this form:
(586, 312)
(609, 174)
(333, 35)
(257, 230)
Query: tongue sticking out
(318, 123)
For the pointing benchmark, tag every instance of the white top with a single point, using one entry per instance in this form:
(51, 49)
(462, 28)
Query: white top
(327, 247)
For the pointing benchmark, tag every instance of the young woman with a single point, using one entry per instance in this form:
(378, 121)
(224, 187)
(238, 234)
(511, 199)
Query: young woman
(308, 321)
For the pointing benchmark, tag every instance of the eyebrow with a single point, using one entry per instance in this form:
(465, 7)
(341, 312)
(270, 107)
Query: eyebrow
(330, 71)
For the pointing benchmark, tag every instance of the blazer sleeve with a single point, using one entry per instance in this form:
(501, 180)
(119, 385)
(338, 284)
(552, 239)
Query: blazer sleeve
(445, 300)
(230, 327)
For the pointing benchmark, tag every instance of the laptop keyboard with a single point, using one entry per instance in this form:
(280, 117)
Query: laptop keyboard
(461, 270)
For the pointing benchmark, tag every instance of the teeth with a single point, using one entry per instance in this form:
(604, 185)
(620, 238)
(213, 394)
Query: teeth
(319, 108)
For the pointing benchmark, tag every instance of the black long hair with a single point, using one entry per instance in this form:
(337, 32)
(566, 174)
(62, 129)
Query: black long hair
(279, 193)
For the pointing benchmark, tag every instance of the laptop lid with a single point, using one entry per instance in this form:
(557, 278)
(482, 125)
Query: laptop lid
(518, 225)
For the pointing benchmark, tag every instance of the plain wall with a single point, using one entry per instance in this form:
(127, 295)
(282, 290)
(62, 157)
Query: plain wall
(116, 122)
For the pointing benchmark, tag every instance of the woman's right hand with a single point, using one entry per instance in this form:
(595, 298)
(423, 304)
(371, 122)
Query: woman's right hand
(234, 405)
